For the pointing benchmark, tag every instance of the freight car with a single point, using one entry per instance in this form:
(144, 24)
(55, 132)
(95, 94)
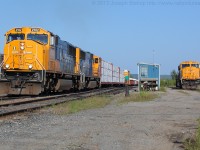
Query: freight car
(133, 82)
(188, 75)
(148, 76)
(109, 74)
(38, 61)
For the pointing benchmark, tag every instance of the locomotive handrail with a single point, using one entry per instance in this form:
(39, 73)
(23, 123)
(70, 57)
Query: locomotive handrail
(6, 58)
(3, 63)
(40, 63)
(38, 60)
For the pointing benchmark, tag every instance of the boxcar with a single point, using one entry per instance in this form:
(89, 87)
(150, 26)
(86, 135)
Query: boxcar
(106, 73)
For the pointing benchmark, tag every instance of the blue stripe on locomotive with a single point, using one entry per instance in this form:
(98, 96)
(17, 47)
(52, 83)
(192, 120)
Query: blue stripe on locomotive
(89, 59)
(86, 65)
(67, 62)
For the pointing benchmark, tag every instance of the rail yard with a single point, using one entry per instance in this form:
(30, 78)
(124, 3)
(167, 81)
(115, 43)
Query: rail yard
(40, 73)
(100, 75)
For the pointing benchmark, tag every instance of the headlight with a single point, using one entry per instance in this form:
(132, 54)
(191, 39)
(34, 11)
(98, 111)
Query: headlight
(22, 47)
(30, 66)
(7, 66)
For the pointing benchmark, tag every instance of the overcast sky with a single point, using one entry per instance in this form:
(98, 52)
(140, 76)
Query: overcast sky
(123, 32)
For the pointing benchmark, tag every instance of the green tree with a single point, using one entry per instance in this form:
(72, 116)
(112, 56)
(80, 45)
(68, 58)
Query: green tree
(174, 74)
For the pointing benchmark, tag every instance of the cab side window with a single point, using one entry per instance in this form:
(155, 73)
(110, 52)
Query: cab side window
(96, 60)
(52, 41)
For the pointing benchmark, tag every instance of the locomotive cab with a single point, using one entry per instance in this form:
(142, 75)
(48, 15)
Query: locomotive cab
(24, 64)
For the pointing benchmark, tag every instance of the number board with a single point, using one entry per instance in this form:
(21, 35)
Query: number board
(18, 29)
(35, 29)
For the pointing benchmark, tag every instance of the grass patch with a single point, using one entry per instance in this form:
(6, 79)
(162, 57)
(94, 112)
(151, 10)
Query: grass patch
(193, 143)
(142, 96)
(101, 101)
(84, 104)
(163, 89)
(167, 83)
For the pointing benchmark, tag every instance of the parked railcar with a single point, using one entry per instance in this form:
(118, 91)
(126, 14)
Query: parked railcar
(188, 75)
(36, 61)
(133, 82)
(149, 76)
(110, 75)
(121, 77)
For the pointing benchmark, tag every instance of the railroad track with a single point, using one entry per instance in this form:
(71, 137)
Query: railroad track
(7, 98)
(26, 104)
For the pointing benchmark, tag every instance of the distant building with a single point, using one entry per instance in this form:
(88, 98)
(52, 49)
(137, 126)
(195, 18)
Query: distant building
(148, 76)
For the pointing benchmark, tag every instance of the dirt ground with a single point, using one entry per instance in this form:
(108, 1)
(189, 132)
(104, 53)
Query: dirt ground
(162, 124)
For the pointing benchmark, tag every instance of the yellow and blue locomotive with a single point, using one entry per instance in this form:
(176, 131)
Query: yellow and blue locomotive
(37, 61)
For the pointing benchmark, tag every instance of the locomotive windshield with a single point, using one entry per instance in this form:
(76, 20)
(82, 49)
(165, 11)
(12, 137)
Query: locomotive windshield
(185, 65)
(12, 37)
(195, 65)
(40, 38)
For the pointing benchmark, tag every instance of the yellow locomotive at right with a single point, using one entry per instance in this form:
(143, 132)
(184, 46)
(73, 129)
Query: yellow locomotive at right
(188, 75)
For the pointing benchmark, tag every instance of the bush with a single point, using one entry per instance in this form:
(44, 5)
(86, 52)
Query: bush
(167, 83)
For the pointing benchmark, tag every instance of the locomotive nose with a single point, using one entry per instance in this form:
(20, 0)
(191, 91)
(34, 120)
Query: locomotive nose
(17, 49)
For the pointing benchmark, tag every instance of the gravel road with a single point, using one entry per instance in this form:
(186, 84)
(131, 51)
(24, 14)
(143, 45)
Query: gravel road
(162, 124)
